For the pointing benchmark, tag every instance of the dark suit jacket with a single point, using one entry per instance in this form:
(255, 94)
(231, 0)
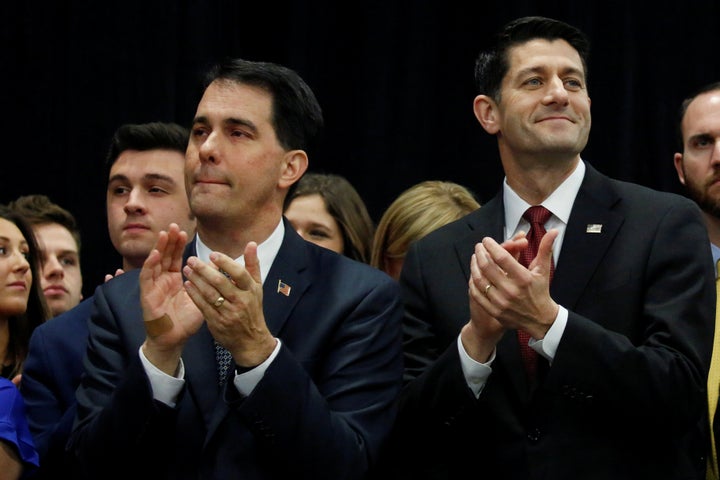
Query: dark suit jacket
(322, 410)
(625, 393)
(51, 374)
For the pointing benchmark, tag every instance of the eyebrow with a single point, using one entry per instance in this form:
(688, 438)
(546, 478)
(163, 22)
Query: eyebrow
(231, 121)
(541, 69)
(23, 242)
(119, 177)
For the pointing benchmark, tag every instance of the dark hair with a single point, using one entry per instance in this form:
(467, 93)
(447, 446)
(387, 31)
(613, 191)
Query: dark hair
(146, 136)
(22, 326)
(296, 114)
(345, 205)
(493, 64)
(39, 210)
(684, 106)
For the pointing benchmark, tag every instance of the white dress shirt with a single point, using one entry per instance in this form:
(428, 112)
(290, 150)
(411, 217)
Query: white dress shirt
(560, 203)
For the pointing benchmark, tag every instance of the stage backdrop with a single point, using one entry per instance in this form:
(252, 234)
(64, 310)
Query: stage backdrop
(394, 79)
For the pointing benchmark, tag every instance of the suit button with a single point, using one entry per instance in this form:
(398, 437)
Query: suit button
(534, 435)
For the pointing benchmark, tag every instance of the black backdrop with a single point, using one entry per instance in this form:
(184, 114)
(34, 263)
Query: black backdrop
(394, 79)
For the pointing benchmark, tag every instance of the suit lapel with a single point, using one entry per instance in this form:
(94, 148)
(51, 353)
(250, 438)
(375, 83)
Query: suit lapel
(589, 233)
(286, 281)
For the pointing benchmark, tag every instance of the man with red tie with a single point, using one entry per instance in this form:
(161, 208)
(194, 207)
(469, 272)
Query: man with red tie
(622, 334)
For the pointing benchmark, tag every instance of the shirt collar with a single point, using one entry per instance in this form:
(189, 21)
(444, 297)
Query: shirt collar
(559, 202)
(267, 250)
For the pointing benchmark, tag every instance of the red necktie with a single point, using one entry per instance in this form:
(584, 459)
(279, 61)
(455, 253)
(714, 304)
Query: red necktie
(537, 216)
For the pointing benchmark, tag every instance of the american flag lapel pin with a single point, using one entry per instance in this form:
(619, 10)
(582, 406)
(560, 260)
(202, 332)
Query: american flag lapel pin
(283, 288)
(594, 228)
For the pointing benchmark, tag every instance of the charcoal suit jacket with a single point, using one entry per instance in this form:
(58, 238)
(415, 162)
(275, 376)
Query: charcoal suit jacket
(624, 396)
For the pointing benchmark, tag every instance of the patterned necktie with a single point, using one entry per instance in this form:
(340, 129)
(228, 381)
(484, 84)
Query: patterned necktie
(713, 387)
(224, 359)
(537, 216)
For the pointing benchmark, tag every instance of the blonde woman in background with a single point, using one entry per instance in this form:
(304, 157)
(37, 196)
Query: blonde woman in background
(413, 214)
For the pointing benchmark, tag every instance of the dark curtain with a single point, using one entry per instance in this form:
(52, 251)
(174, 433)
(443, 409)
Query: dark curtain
(394, 79)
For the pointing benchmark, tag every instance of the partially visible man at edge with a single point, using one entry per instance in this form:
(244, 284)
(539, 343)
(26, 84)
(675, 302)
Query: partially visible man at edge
(698, 169)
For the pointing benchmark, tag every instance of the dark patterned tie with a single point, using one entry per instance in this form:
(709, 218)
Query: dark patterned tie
(224, 360)
(537, 216)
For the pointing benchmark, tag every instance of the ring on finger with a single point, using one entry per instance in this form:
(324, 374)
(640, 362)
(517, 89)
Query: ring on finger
(219, 302)
(487, 288)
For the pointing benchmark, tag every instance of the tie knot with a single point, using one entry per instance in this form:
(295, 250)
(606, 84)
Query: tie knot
(537, 214)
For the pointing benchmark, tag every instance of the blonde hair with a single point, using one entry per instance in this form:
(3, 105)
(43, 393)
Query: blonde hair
(416, 212)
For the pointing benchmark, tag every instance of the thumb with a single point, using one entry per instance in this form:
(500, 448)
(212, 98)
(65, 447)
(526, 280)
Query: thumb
(545, 251)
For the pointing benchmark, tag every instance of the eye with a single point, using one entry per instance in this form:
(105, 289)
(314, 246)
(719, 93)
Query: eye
(198, 131)
(117, 191)
(319, 234)
(68, 261)
(573, 84)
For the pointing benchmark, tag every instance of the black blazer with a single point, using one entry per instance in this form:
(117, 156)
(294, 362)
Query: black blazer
(321, 411)
(625, 393)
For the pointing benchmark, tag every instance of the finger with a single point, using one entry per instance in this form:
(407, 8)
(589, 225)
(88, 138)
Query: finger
(498, 262)
(252, 262)
(204, 277)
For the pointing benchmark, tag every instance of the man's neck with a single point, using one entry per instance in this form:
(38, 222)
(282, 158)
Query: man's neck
(534, 182)
(231, 238)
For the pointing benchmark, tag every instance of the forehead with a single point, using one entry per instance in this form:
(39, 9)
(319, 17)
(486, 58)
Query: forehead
(703, 113)
(135, 163)
(225, 100)
(10, 231)
(541, 54)
(311, 203)
(54, 234)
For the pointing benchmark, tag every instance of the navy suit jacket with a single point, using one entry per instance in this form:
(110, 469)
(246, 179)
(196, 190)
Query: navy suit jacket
(625, 393)
(51, 374)
(322, 410)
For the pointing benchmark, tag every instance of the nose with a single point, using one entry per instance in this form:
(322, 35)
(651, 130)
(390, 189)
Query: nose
(556, 92)
(52, 268)
(135, 202)
(21, 263)
(208, 150)
(715, 156)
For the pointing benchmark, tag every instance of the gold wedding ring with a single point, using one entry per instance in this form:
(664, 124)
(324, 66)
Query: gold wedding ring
(487, 289)
(219, 302)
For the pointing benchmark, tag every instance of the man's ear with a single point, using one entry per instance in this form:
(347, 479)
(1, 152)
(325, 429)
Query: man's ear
(487, 113)
(294, 165)
(678, 161)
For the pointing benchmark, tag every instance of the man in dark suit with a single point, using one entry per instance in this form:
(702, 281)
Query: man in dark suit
(618, 301)
(145, 193)
(313, 337)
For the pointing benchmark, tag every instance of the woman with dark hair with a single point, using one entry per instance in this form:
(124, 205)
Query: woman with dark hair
(326, 209)
(22, 304)
(22, 308)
